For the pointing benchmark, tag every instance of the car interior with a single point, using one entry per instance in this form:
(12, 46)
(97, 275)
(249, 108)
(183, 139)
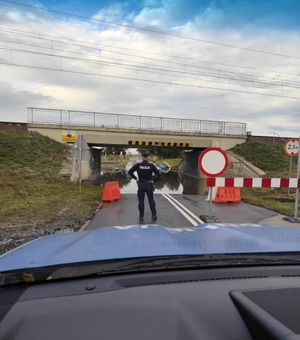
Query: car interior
(249, 302)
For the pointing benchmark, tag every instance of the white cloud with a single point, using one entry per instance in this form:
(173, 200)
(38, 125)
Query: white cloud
(110, 13)
(14, 102)
(94, 66)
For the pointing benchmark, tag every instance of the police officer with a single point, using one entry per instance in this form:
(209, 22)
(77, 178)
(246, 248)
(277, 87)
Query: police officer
(145, 170)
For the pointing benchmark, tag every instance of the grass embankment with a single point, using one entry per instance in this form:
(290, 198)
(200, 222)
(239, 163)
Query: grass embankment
(272, 160)
(32, 191)
(173, 162)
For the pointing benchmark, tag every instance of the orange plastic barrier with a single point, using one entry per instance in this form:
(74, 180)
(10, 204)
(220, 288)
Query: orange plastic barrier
(228, 195)
(111, 192)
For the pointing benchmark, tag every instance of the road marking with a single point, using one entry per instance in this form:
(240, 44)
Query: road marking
(191, 217)
(82, 228)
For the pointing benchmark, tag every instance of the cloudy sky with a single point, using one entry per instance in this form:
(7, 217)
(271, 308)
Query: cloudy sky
(223, 60)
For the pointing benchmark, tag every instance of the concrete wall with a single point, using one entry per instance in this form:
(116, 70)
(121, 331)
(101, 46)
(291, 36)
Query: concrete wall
(193, 181)
(86, 162)
(81, 157)
(13, 127)
(240, 167)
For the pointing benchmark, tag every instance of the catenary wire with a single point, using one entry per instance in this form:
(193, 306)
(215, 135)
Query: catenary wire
(151, 30)
(234, 76)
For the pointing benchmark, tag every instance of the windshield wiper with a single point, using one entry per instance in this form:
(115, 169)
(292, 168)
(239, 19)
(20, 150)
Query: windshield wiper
(144, 264)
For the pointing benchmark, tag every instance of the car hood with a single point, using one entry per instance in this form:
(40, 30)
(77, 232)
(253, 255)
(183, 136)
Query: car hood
(132, 241)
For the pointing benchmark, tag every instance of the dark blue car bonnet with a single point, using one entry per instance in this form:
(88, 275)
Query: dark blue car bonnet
(132, 241)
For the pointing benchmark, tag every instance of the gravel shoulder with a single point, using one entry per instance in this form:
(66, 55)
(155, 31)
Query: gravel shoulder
(16, 233)
(12, 236)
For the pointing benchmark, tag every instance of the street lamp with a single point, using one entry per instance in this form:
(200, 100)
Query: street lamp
(276, 134)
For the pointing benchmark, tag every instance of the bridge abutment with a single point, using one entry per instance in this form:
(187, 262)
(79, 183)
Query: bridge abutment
(193, 181)
(86, 162)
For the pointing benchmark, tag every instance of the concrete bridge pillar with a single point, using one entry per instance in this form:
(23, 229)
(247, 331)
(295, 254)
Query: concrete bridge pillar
(86, 162)
(192, 180)
(95, 165)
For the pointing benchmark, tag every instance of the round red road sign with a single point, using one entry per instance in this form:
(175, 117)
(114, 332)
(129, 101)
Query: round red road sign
(291, 147)
(213, 162)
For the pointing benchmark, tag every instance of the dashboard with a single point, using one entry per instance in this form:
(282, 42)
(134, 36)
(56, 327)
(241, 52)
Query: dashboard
(260, 302)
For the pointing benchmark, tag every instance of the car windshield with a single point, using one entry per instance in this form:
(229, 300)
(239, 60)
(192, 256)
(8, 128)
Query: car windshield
(147, 136)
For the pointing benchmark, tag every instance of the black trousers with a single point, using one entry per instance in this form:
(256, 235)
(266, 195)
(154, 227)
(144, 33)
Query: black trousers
(146, 188)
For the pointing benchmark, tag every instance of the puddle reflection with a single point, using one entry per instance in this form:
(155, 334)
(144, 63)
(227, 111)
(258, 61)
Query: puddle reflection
(171, 182)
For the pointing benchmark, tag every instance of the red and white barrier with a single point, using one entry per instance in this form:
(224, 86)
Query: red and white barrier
(240, 182)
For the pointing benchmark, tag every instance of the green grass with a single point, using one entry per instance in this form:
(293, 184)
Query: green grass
(32, 191)
(173, 162)
(264, 156)
(271, 159)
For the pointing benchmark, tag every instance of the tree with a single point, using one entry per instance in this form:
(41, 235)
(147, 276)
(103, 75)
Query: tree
(115, 151)
(168, 152)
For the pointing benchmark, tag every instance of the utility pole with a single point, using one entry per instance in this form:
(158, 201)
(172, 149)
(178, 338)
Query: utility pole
(297, 190)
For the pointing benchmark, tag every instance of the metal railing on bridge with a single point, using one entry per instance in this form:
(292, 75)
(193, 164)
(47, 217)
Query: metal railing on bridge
(135, 122)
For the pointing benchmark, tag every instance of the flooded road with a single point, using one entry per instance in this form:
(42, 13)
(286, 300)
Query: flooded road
(171, 182)
(176, 207)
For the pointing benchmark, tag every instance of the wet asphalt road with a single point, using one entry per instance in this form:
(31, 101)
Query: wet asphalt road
(175, 211)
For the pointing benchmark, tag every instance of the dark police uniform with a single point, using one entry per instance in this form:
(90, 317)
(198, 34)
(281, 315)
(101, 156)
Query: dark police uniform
(145, 170)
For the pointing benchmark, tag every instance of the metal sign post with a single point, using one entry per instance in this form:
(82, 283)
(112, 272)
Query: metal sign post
(290, 173)
(291, 148)
(297, 190)
(80, 161)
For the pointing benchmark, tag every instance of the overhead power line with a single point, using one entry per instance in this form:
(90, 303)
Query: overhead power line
(182, 66)
(169, 82)
(183, 71)
(164, 68)
(91, 46)
(152, 81)
(151, 30)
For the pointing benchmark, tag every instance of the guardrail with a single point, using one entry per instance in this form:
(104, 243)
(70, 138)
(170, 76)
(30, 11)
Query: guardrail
(135, 122)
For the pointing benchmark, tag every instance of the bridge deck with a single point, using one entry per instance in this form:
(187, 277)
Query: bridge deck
(135, 131)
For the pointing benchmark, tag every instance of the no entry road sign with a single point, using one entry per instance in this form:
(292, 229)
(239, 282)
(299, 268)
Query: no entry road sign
(213, 162)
